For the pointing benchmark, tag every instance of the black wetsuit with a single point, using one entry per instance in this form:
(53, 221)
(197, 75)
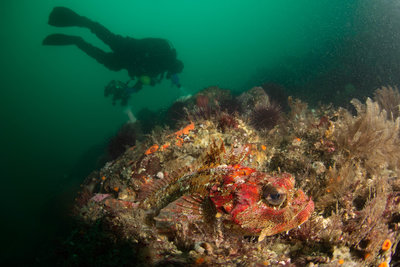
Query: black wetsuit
(151, 57)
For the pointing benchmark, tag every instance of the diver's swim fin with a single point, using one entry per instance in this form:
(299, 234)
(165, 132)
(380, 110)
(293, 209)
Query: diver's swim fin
(65, 17)
(61, 39)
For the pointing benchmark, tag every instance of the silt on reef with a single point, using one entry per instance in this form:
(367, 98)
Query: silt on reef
(310, 191)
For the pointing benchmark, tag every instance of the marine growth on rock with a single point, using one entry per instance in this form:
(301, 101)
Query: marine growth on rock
(218, 190)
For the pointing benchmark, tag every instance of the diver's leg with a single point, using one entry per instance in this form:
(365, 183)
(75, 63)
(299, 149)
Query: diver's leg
(65, 17)
(109, 60)
(114, 41)
(61, 39)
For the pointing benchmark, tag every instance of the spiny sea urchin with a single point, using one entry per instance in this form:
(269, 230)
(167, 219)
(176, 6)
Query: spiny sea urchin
(226, 121)
(266, 117)
(175, 113)
(277, 93)
(125, 138)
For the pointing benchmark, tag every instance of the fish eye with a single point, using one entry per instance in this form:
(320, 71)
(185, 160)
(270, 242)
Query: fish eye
(273, 196)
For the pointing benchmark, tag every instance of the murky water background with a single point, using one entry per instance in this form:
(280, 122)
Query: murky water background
(56, 121)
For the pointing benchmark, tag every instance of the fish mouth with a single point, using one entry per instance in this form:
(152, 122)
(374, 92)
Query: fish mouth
(282, 220)
(303, 215)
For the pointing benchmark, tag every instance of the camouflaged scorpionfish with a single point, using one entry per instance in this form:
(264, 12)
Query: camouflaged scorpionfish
(213, 191)
(247, 201)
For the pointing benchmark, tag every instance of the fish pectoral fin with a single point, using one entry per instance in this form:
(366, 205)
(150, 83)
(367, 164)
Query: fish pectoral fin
(186, 210)
(264, 232)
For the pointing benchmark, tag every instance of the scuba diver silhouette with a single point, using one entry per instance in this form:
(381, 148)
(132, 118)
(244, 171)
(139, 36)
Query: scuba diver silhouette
(147, 59)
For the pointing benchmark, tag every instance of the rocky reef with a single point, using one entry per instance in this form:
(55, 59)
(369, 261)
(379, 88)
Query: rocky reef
(231, 186)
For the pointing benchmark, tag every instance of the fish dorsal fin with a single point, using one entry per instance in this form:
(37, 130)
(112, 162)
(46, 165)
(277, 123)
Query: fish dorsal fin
(157, 187)
(214, 156)
(237, 155)
(184, 180)
(149, 189)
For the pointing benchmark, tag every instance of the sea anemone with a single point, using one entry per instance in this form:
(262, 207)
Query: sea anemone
(205, 108)
(202, 101)
(266, 117)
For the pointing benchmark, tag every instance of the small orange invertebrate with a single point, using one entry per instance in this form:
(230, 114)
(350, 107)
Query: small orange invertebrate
(103, 178)
(146, 179)
(341, 261)
(263, 147)
(185, 130)
(383, 264)
(179, 142)
(164, 146)
(116, 189)
(200, 260)
(151, 150)
(387, 244)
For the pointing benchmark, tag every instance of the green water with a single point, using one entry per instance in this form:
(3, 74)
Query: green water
(56, 121)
